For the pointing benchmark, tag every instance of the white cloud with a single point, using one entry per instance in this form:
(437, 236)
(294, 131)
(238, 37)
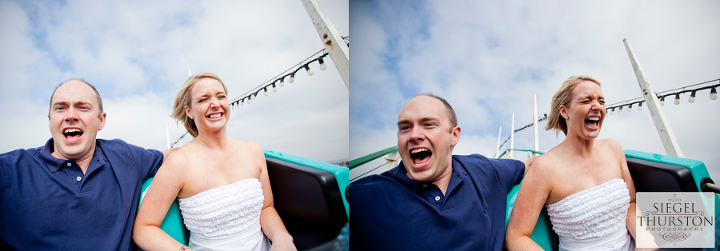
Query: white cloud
(138, 53)
(488, 58)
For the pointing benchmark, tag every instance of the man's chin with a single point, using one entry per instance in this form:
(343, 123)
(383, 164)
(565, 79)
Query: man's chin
(70, 151)
(422, 175)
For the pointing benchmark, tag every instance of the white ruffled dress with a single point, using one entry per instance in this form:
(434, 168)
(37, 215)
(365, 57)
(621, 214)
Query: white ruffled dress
(226, 218)
(593, 219)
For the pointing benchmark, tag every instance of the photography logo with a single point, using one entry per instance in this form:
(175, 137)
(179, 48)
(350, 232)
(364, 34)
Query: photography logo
(675, 220)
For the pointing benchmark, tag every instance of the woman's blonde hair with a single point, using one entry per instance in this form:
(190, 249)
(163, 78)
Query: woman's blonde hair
(562, 97)
(183, 99)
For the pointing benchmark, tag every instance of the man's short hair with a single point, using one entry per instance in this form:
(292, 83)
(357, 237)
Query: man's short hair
(97, 94)
(450, 110)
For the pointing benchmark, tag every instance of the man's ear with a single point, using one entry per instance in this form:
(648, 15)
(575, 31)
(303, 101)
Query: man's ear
(455, 136)
(102, 121)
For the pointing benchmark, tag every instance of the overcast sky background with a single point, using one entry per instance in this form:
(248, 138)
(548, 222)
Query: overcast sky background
(137, 54)
(488, 58)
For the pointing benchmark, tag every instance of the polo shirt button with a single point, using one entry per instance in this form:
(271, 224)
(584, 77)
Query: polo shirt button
(437, 198)
(69, 164)
(79, 178)
(424, 185)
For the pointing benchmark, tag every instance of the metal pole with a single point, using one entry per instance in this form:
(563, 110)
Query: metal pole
(656, 112)
(334, 44)
(497, 149)
(512, 137)
(535, 125)
(167, 136)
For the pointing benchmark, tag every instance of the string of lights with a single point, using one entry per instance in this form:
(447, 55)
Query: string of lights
(279, 80)
(275, 82)
(692, 89)
(523, 128)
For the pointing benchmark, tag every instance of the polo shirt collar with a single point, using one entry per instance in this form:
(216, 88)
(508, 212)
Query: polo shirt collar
(54, 164)
(458, 174)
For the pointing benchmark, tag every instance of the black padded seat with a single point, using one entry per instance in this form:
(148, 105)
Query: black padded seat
(650, 176)
(309, 202)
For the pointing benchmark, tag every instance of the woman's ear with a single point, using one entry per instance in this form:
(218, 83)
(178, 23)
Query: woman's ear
(188, 113)
(563, 111)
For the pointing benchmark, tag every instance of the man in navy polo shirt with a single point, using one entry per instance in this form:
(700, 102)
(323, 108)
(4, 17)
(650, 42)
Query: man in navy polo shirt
(76, 192)
(433, 200)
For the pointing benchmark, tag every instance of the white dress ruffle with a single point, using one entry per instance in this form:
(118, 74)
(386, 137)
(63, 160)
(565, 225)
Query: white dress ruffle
(593, 219)
(226, 218)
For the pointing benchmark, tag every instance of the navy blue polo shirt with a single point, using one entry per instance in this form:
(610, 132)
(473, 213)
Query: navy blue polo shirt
(49, 204)
(392, 212)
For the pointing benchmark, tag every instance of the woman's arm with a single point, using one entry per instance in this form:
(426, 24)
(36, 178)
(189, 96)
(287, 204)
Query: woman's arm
(272, 225)
(531, 198)
(160, 195)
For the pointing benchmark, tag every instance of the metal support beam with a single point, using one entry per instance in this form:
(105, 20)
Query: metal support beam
(656, 112)
(512, 137)
(497, 149)
(332, 40)
(536, 148)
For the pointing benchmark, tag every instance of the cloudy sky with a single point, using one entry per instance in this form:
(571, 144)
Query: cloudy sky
(488, 58)
(137, 54)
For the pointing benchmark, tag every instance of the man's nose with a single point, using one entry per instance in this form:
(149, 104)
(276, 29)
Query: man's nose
(71, 115)
(416, 134)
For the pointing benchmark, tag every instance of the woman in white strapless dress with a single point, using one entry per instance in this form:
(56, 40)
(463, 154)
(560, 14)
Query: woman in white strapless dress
(584, 182)
(221, 183)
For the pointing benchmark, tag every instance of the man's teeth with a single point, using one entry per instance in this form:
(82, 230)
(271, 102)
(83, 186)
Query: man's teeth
(71, 130)
(418, 150)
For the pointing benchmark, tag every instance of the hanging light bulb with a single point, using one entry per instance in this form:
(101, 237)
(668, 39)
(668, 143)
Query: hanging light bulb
(292, 77)
(662, 101)
(274, 87)
(322, 64)
(249, 98)
(612, 111)
(640, 106)
(266, 94)
(619, 109)
(677, 99)
(242, 102)
(713, 93)
(282, 81)
(692, 97)
(309, 71)
(630, 107)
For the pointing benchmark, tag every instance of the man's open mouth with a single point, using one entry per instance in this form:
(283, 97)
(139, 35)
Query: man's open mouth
(420, 156)
(72, 133)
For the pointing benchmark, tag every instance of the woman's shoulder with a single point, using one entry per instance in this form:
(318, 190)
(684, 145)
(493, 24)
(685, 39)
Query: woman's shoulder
(179, 157)
(611, 145)
(545, 164)
(245, 144)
